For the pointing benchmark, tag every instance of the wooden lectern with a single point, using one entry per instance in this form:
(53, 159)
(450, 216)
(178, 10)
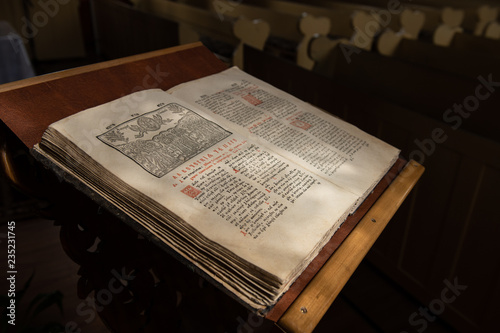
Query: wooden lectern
(28, 107)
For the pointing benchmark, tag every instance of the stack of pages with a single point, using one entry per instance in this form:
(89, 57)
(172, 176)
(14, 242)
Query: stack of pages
(240, 179)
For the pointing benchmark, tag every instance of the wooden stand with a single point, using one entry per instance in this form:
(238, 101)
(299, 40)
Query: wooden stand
(29, 106)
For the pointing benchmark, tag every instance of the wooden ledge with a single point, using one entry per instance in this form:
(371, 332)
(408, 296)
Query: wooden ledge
(310, 306)
(93, 67)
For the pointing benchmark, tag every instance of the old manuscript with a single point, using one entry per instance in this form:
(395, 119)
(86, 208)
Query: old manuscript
(242, 180)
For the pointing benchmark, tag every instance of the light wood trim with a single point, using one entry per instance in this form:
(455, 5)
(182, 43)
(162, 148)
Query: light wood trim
(93, 67)
(308, 309)
(6, 164)
(8, 167)
(282, 24)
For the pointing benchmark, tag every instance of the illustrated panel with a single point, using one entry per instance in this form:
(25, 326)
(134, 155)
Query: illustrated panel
(163, 139)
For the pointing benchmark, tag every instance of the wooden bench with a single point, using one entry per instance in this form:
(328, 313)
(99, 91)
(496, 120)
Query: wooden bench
(115, 39)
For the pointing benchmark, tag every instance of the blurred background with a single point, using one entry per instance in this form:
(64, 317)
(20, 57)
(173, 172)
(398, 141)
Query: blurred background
(421, 75)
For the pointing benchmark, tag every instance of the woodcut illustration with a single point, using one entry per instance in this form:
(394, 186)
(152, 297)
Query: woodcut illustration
(161, 140)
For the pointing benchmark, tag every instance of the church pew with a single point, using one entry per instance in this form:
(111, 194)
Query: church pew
(199, 20)
(427, 6)
(476, 43)
(415, 86)
(352, 22)
(473, 18)
(396, 16)
(116, 40)
(199, 24)
(290, 32)
(488, 22)
(282, 25)
(465, 62)
(389, 10)
(340, 18)
(242, 24)
(355, 24)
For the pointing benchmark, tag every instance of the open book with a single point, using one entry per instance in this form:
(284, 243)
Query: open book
(240, 179)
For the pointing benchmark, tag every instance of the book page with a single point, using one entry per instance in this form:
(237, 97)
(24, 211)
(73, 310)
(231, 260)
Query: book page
(325, 145)
(227, 185)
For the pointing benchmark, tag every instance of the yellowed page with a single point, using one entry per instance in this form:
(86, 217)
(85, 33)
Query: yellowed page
(327, 146)
(236, 192)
